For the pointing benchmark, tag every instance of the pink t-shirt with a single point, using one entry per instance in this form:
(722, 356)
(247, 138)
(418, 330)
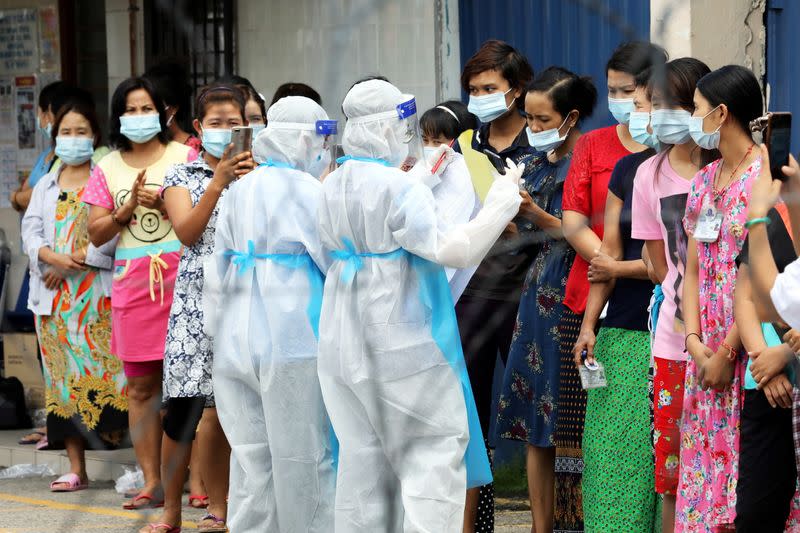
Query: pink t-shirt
(659, 203)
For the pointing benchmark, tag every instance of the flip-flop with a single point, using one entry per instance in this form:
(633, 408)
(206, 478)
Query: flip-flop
(43, 444)
(151, 502)
(202, 501)
(72, 481)
(217, 524)
(166, 527)
(32, 438)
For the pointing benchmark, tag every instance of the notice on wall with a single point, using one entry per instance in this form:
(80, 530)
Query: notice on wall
(8, 131)
(9, 178)
(25, 111)
(19, 50)
(49, 48)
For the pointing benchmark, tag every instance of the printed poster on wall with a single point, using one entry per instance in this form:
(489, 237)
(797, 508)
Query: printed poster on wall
(19, 51)
(25, 110)
(9, 178)
(49, 48)
(8, 132)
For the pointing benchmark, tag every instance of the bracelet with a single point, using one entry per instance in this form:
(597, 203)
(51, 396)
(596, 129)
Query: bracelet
(117, 221)
(686, 341)
(750, 223)
(731, 351)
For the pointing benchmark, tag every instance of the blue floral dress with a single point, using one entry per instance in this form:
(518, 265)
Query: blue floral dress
(527, 410)
(188, 351)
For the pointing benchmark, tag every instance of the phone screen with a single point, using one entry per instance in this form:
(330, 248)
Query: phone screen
(497, 163)
(780, 134)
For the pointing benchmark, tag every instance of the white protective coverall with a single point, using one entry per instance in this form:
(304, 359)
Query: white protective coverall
(391, 367)
(262, 297)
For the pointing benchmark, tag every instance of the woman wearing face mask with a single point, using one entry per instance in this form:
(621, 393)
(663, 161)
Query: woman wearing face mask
(193, 193)
(555, 103)
(584, 204)
(725, 102)
(70, 288)
(456, 200)
(495, 79)
(172, 83)
(124, 194)
(618, 488)
(659, 202)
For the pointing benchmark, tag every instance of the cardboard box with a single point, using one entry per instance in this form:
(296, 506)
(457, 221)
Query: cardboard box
(21, 360)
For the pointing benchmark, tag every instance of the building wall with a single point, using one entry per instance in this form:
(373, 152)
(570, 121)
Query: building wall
(329, 45)
(719, 32)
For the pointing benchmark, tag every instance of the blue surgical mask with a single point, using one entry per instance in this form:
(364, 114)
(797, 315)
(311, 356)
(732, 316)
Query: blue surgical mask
(257, 128)
(73, 150)
(708, 141)
(671, 126)
(215, 141)
(547, 140)
(621, 108)
(637, 125)
(47, 131)
(489, 106)
(139, 128)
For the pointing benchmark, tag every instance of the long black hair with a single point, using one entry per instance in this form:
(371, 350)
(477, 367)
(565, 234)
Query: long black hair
(118, 102)
(566, 91)
(737, 88)
(171, 80)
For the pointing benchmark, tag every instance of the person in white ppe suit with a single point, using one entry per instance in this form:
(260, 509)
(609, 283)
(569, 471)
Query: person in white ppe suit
(391, 368)
(263, 293)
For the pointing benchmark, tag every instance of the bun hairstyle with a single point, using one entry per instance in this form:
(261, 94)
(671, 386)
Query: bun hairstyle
(737, 88)
(633, 57)
(172, 83)
(676, 81)
(217, 94)
(448, 119)
(566, 90)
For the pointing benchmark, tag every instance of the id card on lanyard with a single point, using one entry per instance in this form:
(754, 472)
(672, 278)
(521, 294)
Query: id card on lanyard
(709, 223)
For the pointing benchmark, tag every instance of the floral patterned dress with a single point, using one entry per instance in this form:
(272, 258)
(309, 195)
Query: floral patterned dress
(709, 457)
(527, 406)
(188, 352)
(85, 389)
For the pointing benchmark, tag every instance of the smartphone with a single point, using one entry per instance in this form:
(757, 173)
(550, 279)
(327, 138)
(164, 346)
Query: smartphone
(777, 137)
(242, 139)
(496, 161)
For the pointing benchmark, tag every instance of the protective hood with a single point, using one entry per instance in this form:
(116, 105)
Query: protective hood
(373, 128)
(290, 136)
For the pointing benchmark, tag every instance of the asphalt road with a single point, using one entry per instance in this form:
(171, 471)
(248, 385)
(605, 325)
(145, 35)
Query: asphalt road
(28, 506)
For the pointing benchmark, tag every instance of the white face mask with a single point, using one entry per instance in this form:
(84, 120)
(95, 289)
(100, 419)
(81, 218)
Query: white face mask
(547, 140)
(489, 106)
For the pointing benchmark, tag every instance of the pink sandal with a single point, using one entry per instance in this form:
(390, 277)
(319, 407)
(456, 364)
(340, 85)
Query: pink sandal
(72, 481)
(166, 527)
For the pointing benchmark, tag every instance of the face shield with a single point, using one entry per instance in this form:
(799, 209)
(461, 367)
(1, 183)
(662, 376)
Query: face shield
(326, 160)
(411, 135)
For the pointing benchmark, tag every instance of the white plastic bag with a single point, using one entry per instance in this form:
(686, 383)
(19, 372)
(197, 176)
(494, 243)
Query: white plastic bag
(26, 470)
(130, 481)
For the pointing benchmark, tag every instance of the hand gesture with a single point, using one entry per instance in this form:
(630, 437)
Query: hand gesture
(138, 185)
(586, 341)
(766, 191)
(513, 173)
(778, 391)
(64, 265)
(792, 339)
(602, 268)
(718, 373)
(443, 150)
(51, 279)
(229, 169)
(528, 208)
(768, 363)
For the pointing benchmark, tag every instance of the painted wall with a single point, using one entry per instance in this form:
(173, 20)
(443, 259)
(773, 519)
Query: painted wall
(329, 45)
(719, 32)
